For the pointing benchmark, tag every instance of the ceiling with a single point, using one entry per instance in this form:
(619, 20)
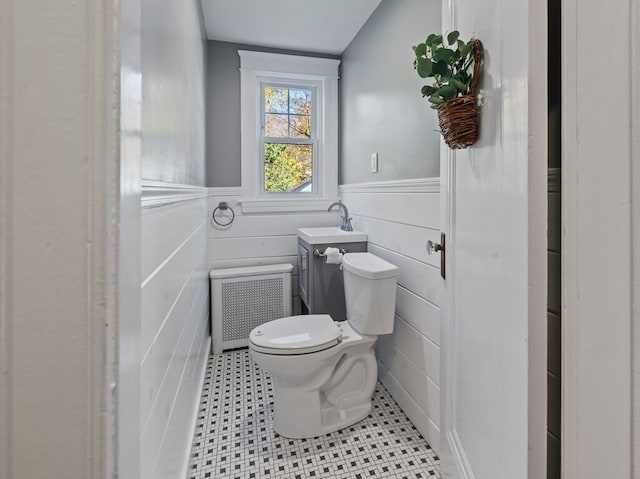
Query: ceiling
(325, 26)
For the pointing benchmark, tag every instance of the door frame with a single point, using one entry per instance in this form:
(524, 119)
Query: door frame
(599, 301)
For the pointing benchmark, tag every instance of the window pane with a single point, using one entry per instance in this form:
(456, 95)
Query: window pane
(300, 126)
(276, 100)
(300, 102)
(276, 125)
(288, 167)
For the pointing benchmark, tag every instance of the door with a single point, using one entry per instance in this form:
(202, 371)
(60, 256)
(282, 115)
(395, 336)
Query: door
(494, 216)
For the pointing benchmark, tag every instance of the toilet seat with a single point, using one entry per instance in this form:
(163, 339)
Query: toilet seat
(296, 335)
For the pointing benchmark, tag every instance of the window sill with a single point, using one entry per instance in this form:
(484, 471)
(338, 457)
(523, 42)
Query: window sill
(301, 205)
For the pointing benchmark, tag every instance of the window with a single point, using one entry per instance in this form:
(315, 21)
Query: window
(288, 140)
(289, 132)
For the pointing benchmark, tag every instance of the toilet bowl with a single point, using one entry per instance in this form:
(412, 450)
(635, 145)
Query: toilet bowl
(324, 372)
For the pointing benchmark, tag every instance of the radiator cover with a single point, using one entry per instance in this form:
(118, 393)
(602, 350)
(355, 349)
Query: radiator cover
(244, 298)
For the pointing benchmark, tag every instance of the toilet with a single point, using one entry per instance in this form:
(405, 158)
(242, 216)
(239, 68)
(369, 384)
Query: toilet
(324, 372)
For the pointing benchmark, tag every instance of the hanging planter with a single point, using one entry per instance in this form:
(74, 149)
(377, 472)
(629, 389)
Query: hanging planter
(453, 92)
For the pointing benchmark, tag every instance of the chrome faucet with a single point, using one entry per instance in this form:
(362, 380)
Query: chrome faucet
(346, 221)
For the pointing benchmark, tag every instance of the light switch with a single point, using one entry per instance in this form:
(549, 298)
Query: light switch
(374, 162)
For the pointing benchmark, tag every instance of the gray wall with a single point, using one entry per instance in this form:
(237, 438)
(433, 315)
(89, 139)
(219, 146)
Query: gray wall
(381, 108)
(223, 109)
(173, 92)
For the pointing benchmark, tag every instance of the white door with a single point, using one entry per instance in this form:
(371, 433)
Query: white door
(495, 219)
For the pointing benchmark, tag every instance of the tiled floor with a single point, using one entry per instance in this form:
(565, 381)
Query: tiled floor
(234, 437)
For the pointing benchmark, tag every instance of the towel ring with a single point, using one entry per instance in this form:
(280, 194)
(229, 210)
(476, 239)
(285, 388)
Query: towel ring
(223, 206)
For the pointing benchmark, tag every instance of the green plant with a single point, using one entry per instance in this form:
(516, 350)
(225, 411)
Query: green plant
(448, 65)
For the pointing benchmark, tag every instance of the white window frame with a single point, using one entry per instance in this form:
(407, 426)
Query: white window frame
(258, 68)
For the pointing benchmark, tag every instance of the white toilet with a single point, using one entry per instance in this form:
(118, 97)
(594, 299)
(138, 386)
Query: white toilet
(324, 372)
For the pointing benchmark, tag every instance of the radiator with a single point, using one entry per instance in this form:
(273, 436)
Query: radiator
(243, 298)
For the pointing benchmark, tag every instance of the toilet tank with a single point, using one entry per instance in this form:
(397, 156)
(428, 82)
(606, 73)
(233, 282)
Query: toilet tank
(370, 292)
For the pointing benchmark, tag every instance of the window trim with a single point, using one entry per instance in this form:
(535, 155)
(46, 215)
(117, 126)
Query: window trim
(257, 68)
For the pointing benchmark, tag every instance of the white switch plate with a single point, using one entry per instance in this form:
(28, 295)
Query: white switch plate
(374, 162)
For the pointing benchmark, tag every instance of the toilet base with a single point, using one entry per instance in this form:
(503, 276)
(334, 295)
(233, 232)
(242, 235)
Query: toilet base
(336, 420)
(316, 419)
(343, 399)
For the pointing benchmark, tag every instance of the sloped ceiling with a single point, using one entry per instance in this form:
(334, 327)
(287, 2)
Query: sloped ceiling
(325, 26)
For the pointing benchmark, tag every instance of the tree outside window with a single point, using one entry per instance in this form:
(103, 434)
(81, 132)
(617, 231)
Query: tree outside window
(288, 138)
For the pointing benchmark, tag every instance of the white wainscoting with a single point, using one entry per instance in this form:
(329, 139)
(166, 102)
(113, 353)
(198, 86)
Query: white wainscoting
(174, 340)
(399, 218)
(259, 239)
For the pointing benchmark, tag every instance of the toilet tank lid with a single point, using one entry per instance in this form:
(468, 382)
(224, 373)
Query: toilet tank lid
(369, 266)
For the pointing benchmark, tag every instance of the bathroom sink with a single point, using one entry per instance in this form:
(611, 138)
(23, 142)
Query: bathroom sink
(331, 234)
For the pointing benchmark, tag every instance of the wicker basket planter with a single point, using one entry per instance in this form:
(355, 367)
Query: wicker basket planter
(458, 117)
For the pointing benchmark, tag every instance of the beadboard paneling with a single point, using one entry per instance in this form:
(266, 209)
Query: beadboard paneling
(422, 389)
(161, 290)
(252, 247)
(555, 231)
(181, 421)
(174, 328)
(164, 229)
(553, 457)
(419, 313)
(414, 412)
(281, 224)
(554, 334)
(554, 395)
(554, 325)
(154, 436)
(425, 354)
(398, 225)
(418, 209)
(554, 288)
(408, 240)
(157, 361)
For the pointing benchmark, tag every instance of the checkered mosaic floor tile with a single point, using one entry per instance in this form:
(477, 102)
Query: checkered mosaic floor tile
(234, 437)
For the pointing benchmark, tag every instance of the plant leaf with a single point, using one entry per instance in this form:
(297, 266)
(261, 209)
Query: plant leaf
(453, 36)
(430, 38)
(424, 67)
(443, 54)
(428, 90)
(435, 99)
(420, 49)
(447, 92)
(465, 50)
(458, 85)
(441, 68)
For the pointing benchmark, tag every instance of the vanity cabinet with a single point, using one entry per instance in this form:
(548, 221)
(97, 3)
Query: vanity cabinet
(321, 285)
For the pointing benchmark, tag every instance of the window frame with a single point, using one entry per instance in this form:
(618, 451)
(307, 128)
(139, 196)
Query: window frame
(257, 68)
(314, 86)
